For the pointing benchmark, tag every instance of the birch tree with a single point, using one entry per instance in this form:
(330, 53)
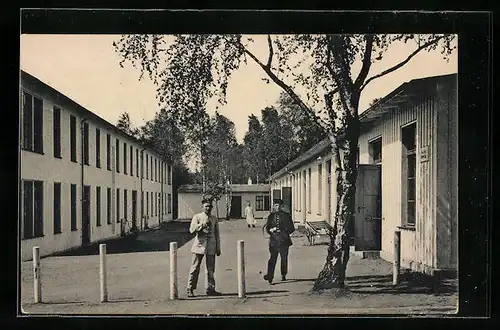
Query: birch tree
(331, 71)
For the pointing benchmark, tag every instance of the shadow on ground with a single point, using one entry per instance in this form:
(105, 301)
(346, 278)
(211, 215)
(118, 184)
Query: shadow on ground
(157, 239)
(410, 283)
(235, 294)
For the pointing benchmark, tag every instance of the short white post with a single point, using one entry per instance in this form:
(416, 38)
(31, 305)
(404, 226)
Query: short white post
(37, 281)
(397, 257)
(173, 271)
(102, 273)
(241, 268)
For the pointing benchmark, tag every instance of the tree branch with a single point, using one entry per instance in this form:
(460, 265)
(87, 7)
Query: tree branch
(308, 111)
(397, 66)
(271, 51)
(367, 61)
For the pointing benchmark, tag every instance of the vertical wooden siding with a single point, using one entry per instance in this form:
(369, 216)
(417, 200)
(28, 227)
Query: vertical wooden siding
(418, 245)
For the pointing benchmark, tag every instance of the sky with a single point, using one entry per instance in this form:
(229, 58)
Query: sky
(86, 69)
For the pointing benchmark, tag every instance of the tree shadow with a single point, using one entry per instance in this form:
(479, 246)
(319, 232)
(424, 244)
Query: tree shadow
(297, 280)
(157, 239)
(410, 283)
(234, 294)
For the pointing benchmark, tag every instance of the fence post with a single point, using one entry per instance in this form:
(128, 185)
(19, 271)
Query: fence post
(37, 281)
(397, 257)
(241, 268)
(102, 273)
(173, 271)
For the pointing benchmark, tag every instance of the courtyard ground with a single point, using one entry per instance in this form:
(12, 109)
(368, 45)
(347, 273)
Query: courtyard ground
(138, 280)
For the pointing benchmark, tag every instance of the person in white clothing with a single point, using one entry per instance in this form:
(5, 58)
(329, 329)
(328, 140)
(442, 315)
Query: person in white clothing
(250, 218)
(206, 244)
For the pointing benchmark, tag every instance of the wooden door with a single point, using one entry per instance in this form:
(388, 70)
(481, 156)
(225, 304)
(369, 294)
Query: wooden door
(367, 219)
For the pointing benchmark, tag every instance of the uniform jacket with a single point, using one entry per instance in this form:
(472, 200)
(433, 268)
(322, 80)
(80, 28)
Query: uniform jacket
(283, 221)
(205, 243)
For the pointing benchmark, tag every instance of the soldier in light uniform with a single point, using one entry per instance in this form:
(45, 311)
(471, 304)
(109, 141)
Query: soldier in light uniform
(206, 244)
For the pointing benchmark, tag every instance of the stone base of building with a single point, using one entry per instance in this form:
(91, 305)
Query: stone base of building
(413, 266)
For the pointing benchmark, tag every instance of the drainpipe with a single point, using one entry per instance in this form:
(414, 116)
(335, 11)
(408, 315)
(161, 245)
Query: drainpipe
(82, 121)
(142, 193)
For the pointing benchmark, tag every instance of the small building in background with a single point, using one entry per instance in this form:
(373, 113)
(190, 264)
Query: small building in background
(190, 196)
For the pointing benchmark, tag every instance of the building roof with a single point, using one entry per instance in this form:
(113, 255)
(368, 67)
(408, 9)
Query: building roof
(374, 112)
(82, 111)
(236, 188)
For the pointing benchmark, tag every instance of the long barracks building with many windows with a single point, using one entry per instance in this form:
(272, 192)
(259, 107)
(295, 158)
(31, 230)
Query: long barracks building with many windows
(82, 180)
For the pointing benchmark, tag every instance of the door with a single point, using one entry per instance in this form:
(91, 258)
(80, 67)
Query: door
(286, 193)
(86, 215)
(235, 207)
(134, 209)
(367, 221)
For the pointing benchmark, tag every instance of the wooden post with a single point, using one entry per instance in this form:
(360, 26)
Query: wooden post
(173, 271)
(241, 268)
(397, 257)
(37, 281)
(102, 273)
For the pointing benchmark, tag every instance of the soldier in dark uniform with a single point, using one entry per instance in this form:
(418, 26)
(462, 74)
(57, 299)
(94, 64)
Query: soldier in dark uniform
(279, 226)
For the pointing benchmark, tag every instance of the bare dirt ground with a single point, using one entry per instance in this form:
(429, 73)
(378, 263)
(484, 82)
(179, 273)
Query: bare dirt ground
(138, 280)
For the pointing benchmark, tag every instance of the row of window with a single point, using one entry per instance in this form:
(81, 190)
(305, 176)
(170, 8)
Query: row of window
(302, 182)
(33, 199)
(32, 140)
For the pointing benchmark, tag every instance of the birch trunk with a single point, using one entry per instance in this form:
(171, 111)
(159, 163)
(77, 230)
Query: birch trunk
(344, 151)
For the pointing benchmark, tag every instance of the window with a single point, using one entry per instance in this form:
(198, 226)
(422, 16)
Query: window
(259, 203)
(137, 162)
(156, 203)
(57, 208)
(320, 187)
(57, 132)
(32, 209)
(152, 207)
(72, 137)
(151, 169)
(131, 161)
(309, 197)
(156, 172)
(169, 175)
(32, 123)
(147, 163)
(169, 203)
(124, 158)
(408, 137)
(97, 148)
(86, 143)
(375, 150)
(73, 207)
(108, 151)
(147, 203)
(117, 156)
(117, 204)
(108, 211)
(98, 206)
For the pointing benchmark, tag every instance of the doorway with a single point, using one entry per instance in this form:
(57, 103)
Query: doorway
(134, 209)
(235, 212)
(86, 215)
